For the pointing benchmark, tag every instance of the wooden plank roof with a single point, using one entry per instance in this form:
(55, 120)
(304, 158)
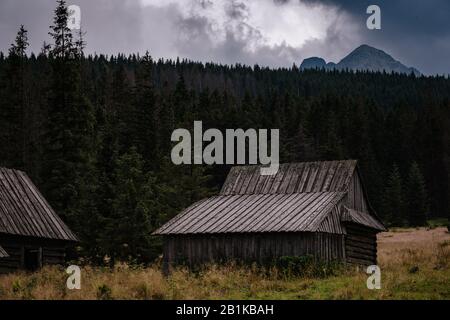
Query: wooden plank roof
(301, 197)
(323, 176)
(25, 212)
(3, 253)
(254, 213)
(363, 218)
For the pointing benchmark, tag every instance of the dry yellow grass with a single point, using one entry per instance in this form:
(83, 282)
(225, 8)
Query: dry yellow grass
(414, 264)
(407, 246)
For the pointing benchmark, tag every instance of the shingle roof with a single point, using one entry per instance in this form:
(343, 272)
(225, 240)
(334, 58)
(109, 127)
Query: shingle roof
(25, 212)
(3, 253)
(363, 218)
(300, 197)
(322, 176)
(254, 213)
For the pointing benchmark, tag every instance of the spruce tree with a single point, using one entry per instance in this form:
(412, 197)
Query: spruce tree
(127, 232)
(61, 34)
(143, 126)
(21, 44)
(393, 204)
(166, 119)
(13, 130)
(416, 197)
(69, 137)
(80, 43)
(181, 101)
(300, 146)
(120, 108)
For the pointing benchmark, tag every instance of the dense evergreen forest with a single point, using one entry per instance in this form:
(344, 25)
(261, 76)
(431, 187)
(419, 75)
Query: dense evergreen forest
(93, 132)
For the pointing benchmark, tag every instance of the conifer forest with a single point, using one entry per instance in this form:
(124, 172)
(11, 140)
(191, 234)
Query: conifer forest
(94, 133)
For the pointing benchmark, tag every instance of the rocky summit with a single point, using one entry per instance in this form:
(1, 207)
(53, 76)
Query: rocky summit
(363, 58)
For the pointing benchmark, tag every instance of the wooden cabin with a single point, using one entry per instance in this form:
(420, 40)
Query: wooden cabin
(31, 233)
(312, 208)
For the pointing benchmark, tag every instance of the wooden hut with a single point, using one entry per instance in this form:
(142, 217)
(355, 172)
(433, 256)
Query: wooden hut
(31, 233)
(312, 208)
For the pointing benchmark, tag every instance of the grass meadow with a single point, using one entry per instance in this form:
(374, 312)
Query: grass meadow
(414, 265)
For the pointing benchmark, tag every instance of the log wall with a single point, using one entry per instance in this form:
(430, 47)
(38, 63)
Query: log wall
(50, 252)
(251, 247)
(360, 245)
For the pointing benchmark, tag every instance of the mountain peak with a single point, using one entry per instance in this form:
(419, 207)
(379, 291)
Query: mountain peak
(366, 47)
(313, 63)
(365, 58)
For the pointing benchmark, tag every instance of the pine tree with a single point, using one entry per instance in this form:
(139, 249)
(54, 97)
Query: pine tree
(181, 101)
(127, 233)
(120, 108)
(416, 197)
(62, 36)
(331, 148)
(13, 131)
(21, 44)
(143, 126)
(45, 49)
(393, 204)
(195, 183)
(69, 137)
(300, 146)
(166, 119)
(80, 43)
(185, 184)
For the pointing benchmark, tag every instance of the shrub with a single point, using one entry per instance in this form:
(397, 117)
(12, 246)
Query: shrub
(414, 269)
(104, 292)
(24, 290)
(16, 287)
(305, 266)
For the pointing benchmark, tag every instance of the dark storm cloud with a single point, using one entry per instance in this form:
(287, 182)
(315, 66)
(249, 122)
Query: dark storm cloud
(415, 32)
(418, 16)
(195, 39)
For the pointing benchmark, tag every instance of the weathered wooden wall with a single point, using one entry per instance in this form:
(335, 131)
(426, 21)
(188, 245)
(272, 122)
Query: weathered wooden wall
(51, 252)
(251, 247)
(360, 245)
(355, 195)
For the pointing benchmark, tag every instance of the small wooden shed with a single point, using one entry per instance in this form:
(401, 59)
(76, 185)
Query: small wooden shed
(312, 208)
(31, 233)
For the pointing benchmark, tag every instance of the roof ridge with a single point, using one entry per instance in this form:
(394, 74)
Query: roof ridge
(293, 163)
(309, 176)
(11, 169)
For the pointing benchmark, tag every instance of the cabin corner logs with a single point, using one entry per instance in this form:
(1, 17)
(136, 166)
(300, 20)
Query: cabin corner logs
(313, 208)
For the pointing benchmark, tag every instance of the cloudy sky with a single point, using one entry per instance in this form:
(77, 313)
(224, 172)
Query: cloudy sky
(267, 32)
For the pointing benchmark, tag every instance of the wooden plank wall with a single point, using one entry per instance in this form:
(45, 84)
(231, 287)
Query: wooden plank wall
(360, 245)
(250, 247)
(355, 195)
(14, 261)
(52, 253)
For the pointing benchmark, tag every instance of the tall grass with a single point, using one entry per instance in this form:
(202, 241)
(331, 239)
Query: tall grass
(414, 264)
